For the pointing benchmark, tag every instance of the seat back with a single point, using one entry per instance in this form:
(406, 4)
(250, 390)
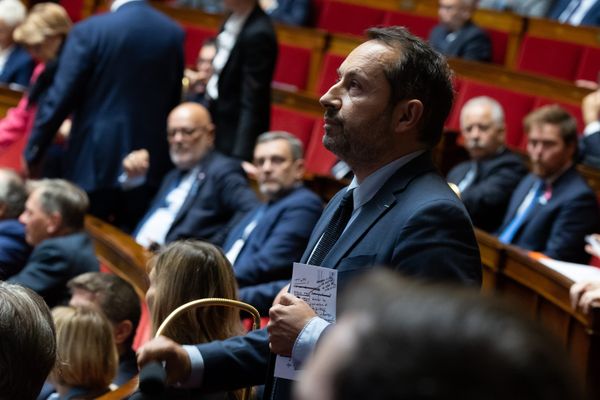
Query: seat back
(318, 159)
(419, 25)
(549, 57)
(194, 38)
(298, 123)
(352, 19)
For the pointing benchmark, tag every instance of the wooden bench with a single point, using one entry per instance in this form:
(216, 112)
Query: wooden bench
(543, 294)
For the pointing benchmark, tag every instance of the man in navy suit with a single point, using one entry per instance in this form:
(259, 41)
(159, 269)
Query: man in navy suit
(204, 195)
(53, 218)
(119, 75)
(486, 181)
(14, 249)
(383, 116)
(576, 12)
(263, 246)
(16, 65)
(240, 87)
(456, 35)
(552, 208)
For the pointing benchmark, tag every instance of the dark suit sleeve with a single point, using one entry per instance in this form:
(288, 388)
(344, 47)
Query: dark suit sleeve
(590, 150)
(478, 48)
(235, 363)
(74, 68)
(576, 219)
(13, 254)
(257, 72)
(23, 73)
(262, 295)
(47, 268)
(293, 12)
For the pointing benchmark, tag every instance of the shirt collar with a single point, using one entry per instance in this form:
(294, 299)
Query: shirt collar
(118, 3)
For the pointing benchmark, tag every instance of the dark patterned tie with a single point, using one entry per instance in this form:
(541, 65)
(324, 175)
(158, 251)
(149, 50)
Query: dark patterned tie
(334, 229)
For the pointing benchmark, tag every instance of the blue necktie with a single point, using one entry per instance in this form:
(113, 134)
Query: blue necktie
(525, 209)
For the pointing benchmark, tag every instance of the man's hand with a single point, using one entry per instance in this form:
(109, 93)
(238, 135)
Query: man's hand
(585, 294)
(590, 107)
(178, 364)
(287, 318)
(136, 163)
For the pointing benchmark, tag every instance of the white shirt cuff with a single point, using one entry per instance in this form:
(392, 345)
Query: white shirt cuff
(307, 340)
(128, 183)
(197, 368)
(591, 128)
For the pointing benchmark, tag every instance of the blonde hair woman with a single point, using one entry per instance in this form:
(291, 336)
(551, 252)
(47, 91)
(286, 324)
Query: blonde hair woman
(42, 33)
(186, 271)
(87, 357)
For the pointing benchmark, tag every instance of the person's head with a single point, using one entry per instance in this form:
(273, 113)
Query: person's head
(279, 161)
(44, 31)
(28, 345)
(455, 13)
(414, 341)
(551, 140)
(482, 127)
(190, 270)
(191, 134)
(204, 61)
(54, 207)
(86, 352)
(114, 297)
(12, 13)
(393, 95)
(12, 194)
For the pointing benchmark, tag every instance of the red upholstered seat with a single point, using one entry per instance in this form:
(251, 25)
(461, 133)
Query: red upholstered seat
(499, 45)
(298, 123)
(416, 24)
(549, 57)
(589, 65)
(516, 107)
(328, 74)
(318, 159)
(11, 157)
(74, 8)
(194, 37)
(337, 17)
(293, 66)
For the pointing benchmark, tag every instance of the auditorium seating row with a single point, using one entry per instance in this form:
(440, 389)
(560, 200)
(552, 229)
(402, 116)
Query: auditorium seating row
(543, 294)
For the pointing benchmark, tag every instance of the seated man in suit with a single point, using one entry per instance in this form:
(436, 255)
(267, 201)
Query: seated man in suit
(14, 249)
(456, 35)
(53, 218)
(383, 116)
(576, 12)
(199, 77)
(203, 194)
(28, 345)
(16, 65)
(589, 145)
(486, 181)
(263, 246)
(552, 208)
(435, 343)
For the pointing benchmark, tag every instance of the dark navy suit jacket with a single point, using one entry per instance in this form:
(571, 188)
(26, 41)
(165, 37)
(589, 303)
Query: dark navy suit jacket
(487, 197)
(292, 12)
(53, 262)
(558, 227)
(219, 197)
(243, 109)
(18, 68)
(415, 225)
(264, 265)
(592, 17)
(14, 250)
(589, 149)
(119, 75)
(471, 42)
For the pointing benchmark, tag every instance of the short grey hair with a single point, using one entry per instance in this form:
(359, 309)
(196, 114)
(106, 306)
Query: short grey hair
(12, 12)
(13, 193)
(28, 338)
(64, 198)
(496, 107)
(295, 144)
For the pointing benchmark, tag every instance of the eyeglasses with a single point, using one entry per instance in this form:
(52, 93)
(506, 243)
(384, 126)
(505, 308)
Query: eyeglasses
(185, 132)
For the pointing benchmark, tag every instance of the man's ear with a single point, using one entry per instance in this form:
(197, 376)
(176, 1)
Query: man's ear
(54, 223)
(123, 330)
(300, 168)
(407, 115)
